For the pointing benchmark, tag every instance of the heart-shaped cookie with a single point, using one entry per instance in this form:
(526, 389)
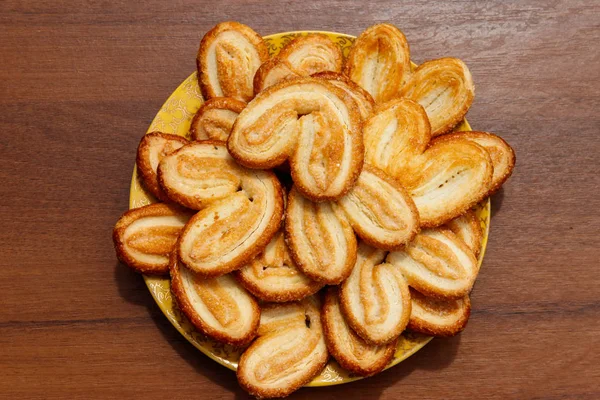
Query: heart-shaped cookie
(289, 351)
(273, 275)
(144, 237)
(436, 317)
(303, 56)
(228, 57)
(445, 176)
(311, 122)
(375, 298)
(349, 349)
(379, 61)
(445, 89)
(218, 307)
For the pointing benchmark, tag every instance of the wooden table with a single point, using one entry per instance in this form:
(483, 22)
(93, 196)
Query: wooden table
(80, 83)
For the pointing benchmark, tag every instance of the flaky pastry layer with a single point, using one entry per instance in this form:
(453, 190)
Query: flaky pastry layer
(375, 298)
(437, 317)
(379, 61)
(311, 122)
(218, 307)
(273, 275)
(438, 264)
(144, 237)
(153, 147)
(349, 349)
(289, 352)
(468, 229)
(228, 57)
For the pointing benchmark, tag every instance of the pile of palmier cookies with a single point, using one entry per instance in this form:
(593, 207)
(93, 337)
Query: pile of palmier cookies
(322, 205)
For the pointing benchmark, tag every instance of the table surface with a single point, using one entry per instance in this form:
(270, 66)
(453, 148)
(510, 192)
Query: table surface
(80, 83)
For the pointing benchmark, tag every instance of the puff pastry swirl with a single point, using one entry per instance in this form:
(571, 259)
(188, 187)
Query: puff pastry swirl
(153, 147)
(375, 298)
(438, 317)
(218, 307)
(445, 176)
(228, 57)
(273, 275)
(303, 56)
(215, 118)
(379, 61)
(223, 236)
(468, 229)
(444, 87)
(349, 349)
(144, 237)
(320, 240)
(313, 123)
(438, 264)
(288, 353)
(380, 210)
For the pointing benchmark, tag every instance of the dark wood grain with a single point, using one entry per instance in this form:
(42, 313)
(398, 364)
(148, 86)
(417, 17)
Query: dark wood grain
(80, 83)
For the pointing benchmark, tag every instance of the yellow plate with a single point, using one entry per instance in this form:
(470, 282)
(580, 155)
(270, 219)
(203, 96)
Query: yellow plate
(175, 117)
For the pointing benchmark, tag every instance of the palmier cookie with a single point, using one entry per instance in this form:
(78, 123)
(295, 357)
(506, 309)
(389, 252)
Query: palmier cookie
(144, 237)
(375, 298)
(445, 176)
(218, 307)
(227, 233)
(229, 55)
(379, 61)
(153, 147)
(321, 241)
(349, 349)
(444, 87)
(303, 56)
(468, 228)
(289, 352)
(362, 98)
(438, 264)
(380, 210)
(215, 118)
(503, 156)
(200, 173)
(438, 317)
(311, 122)
(273, 275)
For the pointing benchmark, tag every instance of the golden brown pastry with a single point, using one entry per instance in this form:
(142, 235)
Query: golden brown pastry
(349, 349)
(438, 264)
(200, 173)
(438, 317)
(445, 176)
(144, 237)
(468, 228)
(396, 133)
(153, 147)
(375, 298)
(445, 89)
(309, 121)
(453, 175)
(218, 307)
(224, 235)
(229, 55)
(362, 98)
(303, 56)
(379, 61)
(215, 118)
(289, 352)
(320, 240)
(273, 275)
(380, 210)
(503, 156)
